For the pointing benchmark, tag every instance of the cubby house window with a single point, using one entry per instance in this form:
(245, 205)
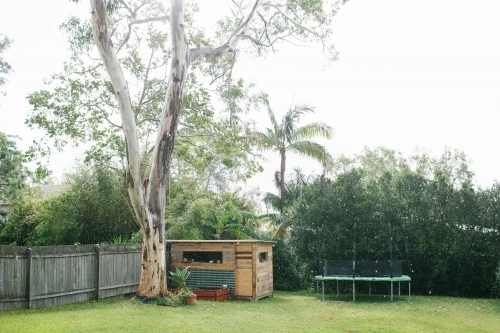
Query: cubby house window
(262, 256)
(198, 256)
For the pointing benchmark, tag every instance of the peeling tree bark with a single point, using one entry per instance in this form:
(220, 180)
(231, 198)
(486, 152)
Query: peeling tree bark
(149, 197)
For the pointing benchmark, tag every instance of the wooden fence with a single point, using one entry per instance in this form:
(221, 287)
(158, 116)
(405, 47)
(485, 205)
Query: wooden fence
(42, 276)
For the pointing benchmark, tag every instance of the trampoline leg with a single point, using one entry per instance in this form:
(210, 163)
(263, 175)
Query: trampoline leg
(353, 291)
(409, 291)
(323, 289)
(370, 288)
(337, 288)
(317, 287)
(399, 288)
(392, 289)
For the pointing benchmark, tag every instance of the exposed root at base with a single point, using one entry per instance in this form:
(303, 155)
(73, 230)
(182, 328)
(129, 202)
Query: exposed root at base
(146, 299)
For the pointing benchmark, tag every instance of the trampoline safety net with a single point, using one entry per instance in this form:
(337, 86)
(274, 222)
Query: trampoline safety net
(365, 268)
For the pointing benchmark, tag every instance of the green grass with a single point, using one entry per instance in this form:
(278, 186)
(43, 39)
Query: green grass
(285, 312)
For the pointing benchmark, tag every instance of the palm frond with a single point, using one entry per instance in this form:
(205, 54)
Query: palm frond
(291, 119)
(265, 99)
(311, 149)
(241, 232)
(311, 130)
(273, 200)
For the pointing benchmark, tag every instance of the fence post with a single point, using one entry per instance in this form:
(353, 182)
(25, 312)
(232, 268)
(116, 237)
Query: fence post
(29, 277)
(98, 269)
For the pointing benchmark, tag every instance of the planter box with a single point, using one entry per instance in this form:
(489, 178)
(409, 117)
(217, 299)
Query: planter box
(213, 294)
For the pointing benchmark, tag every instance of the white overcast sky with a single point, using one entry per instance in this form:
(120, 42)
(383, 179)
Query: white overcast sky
(410, 73)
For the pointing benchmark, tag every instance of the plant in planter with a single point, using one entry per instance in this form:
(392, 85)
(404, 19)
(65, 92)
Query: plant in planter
(170, 299)
(180, 277)
(188, 296)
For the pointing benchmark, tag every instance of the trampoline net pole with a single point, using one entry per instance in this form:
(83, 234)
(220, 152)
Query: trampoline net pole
(354, 251)
(390, 248)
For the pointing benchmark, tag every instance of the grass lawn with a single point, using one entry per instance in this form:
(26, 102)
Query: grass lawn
(285, 312)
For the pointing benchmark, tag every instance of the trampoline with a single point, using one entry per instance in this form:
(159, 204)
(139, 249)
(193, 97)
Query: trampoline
(365, 271)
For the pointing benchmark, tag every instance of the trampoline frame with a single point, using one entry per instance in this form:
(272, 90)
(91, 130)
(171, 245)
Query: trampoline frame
(399, 279)
(378, 274)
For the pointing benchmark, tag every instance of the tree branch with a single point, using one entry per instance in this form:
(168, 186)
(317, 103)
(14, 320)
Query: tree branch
(113, 67)
(312, 32)
(109, 121)
(215, 52)
(146, 20)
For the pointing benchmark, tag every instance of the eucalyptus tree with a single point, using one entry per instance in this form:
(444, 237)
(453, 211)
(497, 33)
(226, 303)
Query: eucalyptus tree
(140, 84)
(5, 67)
(288, 137)
(13, 174)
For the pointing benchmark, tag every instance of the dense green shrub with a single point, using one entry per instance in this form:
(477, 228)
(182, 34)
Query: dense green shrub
(288, 270)
(452, 227)
(93, 207)
(495, 289)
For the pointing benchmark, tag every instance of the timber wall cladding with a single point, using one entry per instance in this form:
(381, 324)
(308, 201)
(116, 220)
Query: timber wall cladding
(43, 276)
(250, 261)
(264, 271)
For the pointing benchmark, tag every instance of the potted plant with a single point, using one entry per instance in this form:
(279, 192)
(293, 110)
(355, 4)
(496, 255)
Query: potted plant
(188, 297)
(180, 277)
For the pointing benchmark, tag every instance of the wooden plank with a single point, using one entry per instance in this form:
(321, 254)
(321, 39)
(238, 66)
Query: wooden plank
(74, 292)
(254, 271)
(65, 255)
(243, 247)
(186, 246)
(133, 284)
(263, 276)
(29, 277)
(98, 272)
(244, 283)
(216, 247)
(204, 265)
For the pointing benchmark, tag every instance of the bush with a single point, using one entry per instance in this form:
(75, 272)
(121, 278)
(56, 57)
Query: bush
(288, 273)
(495, 289)
(92, 208)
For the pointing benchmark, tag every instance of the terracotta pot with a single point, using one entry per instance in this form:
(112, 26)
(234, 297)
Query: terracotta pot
(190, 300)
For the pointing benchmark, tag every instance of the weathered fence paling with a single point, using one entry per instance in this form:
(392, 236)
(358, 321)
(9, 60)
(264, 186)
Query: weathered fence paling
(42, 276)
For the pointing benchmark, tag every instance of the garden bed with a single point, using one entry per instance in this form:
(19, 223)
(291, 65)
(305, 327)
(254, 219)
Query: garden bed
(213, 294)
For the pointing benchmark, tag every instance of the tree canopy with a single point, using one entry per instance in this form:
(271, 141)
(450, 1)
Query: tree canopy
(138, 82)
(5, 67)
(13, 174)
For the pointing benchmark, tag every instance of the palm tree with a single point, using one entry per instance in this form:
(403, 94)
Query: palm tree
(286, 136)
(293, 188)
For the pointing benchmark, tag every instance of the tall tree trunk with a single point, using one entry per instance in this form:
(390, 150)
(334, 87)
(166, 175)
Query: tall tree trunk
(149, 198)
(282, 183)
(157, 188)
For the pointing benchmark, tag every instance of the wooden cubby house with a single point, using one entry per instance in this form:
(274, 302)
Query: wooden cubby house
(245, 266)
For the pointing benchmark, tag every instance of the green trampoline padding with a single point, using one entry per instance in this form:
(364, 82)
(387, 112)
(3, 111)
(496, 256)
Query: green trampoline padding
(403, 278)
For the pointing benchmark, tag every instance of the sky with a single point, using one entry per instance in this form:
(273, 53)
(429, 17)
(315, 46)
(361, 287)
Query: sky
(410, 73)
